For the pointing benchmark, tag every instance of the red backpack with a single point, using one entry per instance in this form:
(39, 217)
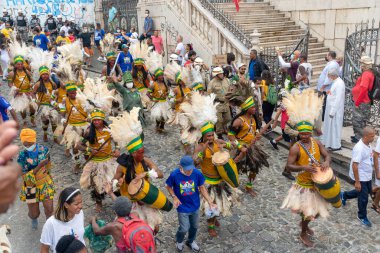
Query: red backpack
(137, 235)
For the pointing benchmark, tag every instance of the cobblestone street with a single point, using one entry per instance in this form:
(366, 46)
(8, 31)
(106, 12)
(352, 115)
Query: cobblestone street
(258, 225)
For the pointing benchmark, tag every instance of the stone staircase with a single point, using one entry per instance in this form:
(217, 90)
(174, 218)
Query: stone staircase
(276, 30)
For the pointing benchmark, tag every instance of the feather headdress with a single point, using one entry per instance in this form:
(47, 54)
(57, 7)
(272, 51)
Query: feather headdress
(201, 112)
(40, 61)
(16, 48)
(72, 52)
(303, 109)
(64, 70)
(196, 79)
(154, 62)
(139, 52)
(175, 73)
(98, 95)
(108, 43)
(126, 130)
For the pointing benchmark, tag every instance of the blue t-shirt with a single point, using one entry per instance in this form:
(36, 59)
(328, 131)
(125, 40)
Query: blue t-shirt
(4, 107)
(186, 189)
(111, 14)
(99, 34)
(125, 61)
(252, 70)
(41, 41)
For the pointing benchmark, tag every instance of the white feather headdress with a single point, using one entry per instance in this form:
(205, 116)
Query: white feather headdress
(72, 52)
(154, 62)
(98, 95)
(126, 127)
(200, 110)
(108, 43)
(64, 70)
(305, 106)
(139, 50)
(39, 58)
(173, 70)
(17, 48)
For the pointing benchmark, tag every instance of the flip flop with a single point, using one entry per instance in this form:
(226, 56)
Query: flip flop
(377, 210)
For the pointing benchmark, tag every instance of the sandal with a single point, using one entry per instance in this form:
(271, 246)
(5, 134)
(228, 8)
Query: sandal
(377, 209)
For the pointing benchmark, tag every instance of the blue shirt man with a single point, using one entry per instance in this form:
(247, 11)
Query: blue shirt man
(252, 69)
(148, 24)
(184, 185)
(41, 41)
(125, 60)
(99, 35)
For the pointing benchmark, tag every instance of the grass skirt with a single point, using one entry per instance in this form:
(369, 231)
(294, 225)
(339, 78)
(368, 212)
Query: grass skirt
(306, 201)
(48, 112)
(22, 102)
(224, 196)
(161, 111)
(254, 160)
(150, 215)
(73, 135)
(96, 174)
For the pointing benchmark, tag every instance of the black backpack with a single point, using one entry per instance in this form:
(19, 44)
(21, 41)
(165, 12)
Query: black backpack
(374, 93)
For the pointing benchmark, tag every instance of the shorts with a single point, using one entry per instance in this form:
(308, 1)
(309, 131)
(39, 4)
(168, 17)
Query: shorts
(285, 136)
(89, 51)
(97, 43)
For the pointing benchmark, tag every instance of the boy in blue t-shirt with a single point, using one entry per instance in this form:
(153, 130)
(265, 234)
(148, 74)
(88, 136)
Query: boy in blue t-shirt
(184, 185)
(6, 107)
(125, 60)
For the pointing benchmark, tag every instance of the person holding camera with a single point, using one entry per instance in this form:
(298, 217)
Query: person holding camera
(37, 185)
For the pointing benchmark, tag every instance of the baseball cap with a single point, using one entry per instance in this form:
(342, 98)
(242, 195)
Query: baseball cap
(124, 46)
(187, 163)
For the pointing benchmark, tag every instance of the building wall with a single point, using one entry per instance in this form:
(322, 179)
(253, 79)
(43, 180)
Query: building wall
(329, 19)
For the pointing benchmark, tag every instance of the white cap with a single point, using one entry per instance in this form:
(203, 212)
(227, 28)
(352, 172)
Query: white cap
(33, 14)
(198, 61)
(50, 14)
(217, 71)
(59, 16)
(19, 11)
(5, 10)
(173, 57)
(241, 65)
(72, 19)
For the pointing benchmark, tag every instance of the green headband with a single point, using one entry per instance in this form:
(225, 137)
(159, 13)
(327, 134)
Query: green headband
(305, 127)
(135, 145)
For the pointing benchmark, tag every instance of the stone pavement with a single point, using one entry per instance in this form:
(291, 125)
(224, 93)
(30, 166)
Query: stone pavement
(258, 225)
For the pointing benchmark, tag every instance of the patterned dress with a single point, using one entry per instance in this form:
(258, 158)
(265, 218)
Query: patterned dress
(42, 180)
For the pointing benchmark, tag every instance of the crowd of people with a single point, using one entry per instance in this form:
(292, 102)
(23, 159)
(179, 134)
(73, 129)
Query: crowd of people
(222, 113)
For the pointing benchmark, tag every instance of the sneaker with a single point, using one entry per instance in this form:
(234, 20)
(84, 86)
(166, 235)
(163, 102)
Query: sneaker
(274, 144)
(365, 222)
(194, 246)
(34, 224)
(343, 198)
(179, 246)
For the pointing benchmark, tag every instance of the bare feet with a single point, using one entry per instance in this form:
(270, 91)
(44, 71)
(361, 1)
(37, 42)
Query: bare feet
(76, 169)
(309, 231)
(98, 207)
(67, 153)
(305, 239)
(250, 191)
(56, 140)
(46, 137)
(33, 122)
(212, 232)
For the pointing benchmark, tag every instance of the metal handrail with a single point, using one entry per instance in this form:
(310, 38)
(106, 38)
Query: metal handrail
(226, 21)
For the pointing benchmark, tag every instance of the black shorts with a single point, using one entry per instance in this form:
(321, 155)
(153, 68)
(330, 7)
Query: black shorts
(285, 136)
(97, 43)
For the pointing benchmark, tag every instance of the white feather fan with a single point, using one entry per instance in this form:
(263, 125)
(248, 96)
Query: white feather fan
(39, 58)
(153, 62)
(126, 127)
(98, 95)
(72, 52)
(139, 50)
(303, 106)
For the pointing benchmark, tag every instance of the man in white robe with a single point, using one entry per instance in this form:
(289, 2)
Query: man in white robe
(333, 124)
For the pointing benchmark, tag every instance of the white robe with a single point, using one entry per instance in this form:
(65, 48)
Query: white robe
(332, 127)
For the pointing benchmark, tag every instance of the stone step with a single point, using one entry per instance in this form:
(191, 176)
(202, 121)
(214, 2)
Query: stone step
(282, 32)
(252, 13)
(284, 25)
(318, 50)
(280, 38)
(276, 28)
(256, 18)
(243, 5)
(320, 55)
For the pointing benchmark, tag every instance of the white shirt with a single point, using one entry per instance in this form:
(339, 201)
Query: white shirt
(377, 150)
(54, 229)
(66, 29)
(180, 50)
(362, 154)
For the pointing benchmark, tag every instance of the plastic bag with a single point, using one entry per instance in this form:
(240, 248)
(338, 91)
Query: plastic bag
(98, 244)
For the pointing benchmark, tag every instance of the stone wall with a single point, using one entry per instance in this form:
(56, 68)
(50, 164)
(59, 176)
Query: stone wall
(329, 19)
